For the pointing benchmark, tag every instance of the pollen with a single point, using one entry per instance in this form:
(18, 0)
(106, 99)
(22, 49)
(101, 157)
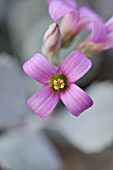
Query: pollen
(58, 84)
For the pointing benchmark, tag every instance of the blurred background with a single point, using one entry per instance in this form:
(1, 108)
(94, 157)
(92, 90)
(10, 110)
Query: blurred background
(60, 141)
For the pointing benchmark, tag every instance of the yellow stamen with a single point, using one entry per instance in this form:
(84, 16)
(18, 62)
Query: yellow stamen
(58, 84)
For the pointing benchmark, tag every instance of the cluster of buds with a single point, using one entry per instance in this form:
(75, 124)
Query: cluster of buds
(73, 22)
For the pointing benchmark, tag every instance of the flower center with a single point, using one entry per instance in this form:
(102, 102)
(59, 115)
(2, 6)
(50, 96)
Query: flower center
(58, 82)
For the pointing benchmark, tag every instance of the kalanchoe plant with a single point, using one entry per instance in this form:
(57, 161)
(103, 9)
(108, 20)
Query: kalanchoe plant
(58, 83)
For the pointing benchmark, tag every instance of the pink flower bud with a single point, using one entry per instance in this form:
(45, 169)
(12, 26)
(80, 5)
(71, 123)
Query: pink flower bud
(68, 26)
(52, 39)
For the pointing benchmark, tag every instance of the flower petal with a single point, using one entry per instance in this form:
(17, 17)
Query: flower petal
(76, 100)
(75, 66)
(109, 25)
(99, 32)
(108, 43)
(88, 12)
(44, 101)
(71, 3)
(39, 68)
(59, 8)
(94, 22)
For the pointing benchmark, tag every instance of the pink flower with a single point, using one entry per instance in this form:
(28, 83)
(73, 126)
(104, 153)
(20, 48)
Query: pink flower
(58, 83)
(84, 18)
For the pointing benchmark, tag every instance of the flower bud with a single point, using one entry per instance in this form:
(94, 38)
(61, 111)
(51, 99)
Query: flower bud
(68, 27)
(52, 40)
